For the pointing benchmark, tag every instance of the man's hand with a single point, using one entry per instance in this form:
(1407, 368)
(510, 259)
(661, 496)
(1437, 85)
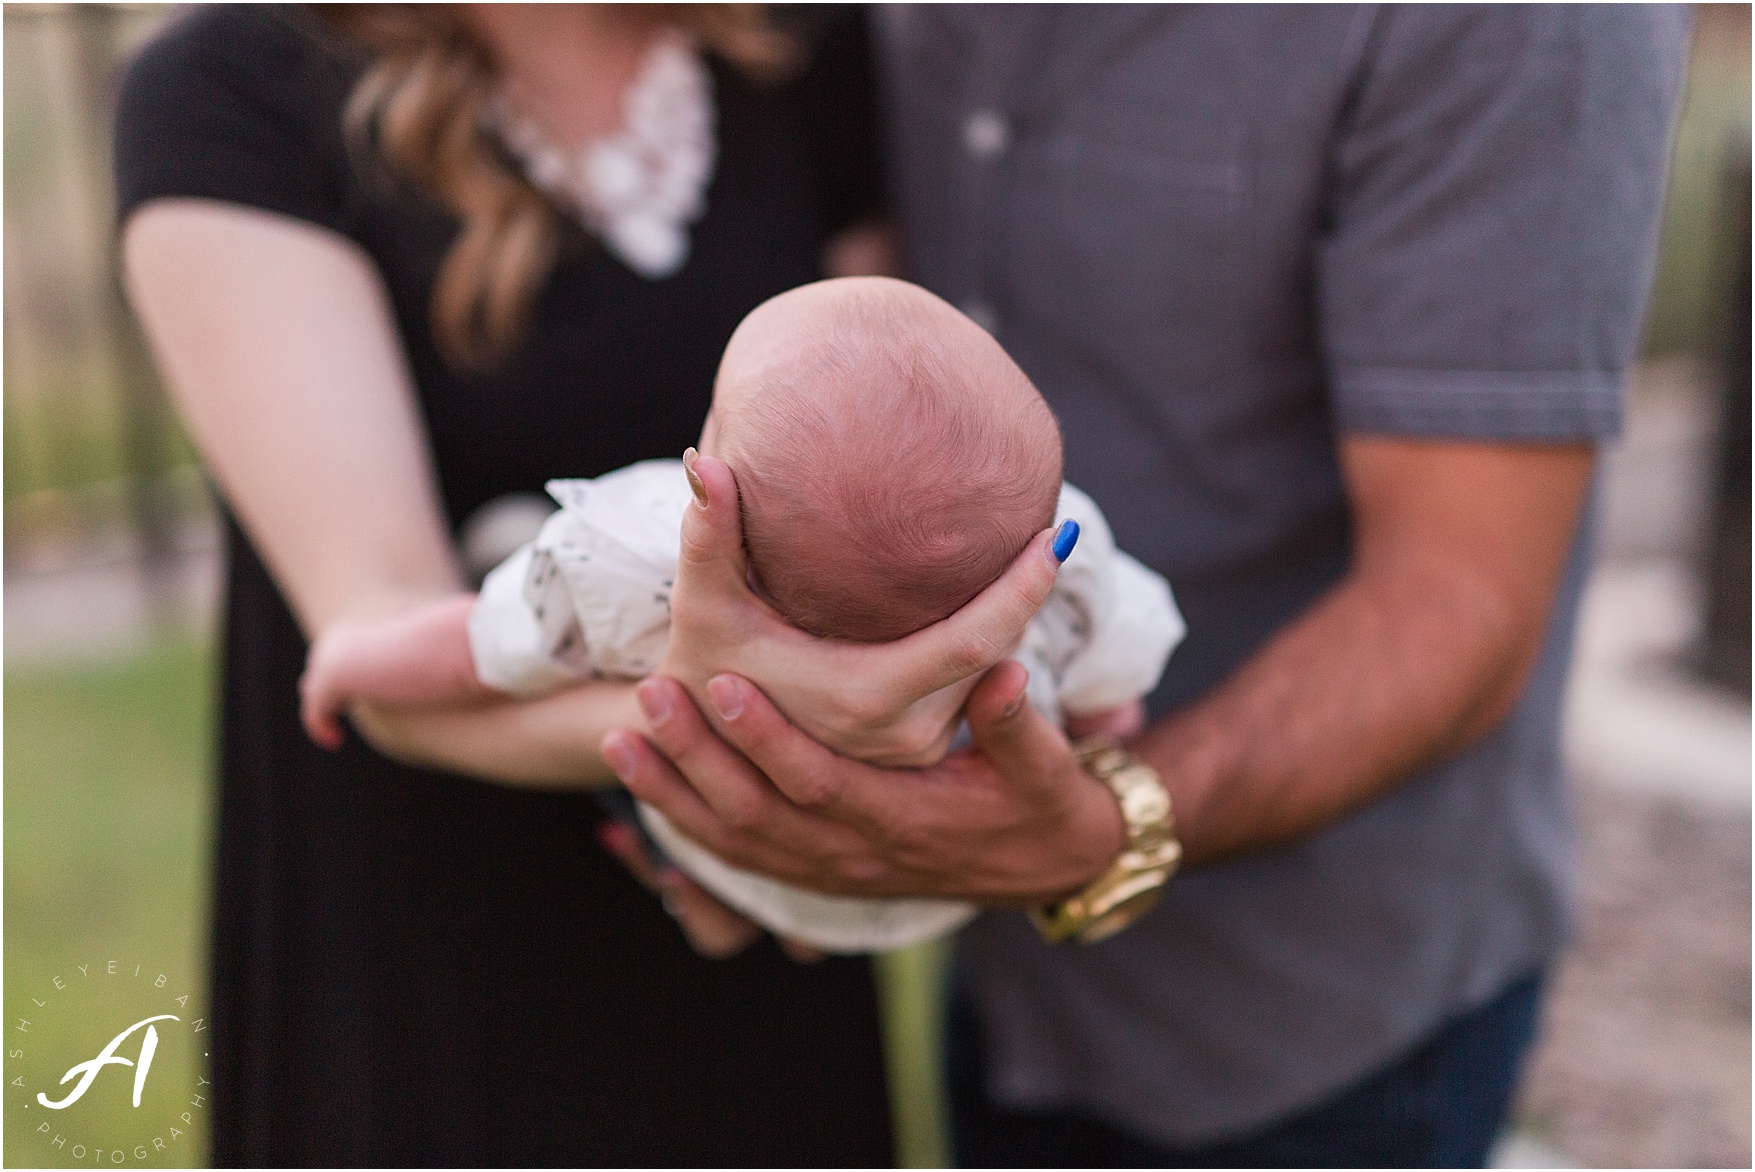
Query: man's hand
(1422, 648)
(1013, 821)
(1123, 722)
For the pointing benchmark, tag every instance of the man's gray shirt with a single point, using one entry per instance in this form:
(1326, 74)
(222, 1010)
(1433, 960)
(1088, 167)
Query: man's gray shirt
(1218, 238)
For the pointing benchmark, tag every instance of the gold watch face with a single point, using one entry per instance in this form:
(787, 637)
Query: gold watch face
(1120, 916)
(1145, 805)
(1133, 882)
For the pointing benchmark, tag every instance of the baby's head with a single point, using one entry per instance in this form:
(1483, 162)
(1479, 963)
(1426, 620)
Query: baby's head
(891, 459)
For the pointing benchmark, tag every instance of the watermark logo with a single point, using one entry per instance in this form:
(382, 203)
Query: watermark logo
(64, 1110)
(87, 1071)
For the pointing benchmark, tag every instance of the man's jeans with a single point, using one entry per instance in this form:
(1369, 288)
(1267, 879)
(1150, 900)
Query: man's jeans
(1439, 1106)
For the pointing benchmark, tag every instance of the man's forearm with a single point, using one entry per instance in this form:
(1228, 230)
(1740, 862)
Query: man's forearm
(1422, 649)
(1372, 683)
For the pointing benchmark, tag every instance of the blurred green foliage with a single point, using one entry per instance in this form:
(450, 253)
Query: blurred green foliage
(70, 350)
(1694, 261)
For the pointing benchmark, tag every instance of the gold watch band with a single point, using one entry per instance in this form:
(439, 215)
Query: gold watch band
(1131, 885)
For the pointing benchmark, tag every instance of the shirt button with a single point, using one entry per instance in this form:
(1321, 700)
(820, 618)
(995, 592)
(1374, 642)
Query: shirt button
(980, 312)
(986, 134)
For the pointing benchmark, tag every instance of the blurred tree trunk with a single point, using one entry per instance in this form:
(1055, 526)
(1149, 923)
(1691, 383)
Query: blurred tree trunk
(1725, 655)
(144, 414)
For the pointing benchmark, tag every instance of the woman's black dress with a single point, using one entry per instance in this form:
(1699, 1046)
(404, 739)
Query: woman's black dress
(417, 968)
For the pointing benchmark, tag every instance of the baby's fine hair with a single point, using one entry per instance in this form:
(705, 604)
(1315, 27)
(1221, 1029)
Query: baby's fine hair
(892, 460)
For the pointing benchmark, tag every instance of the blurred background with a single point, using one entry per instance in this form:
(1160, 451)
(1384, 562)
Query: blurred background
(111, 575)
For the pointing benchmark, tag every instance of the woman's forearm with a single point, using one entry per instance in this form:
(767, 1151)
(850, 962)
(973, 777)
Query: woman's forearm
(548, 743)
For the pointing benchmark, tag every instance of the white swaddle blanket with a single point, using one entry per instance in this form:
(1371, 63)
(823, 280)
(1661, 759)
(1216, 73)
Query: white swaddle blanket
(590, 597)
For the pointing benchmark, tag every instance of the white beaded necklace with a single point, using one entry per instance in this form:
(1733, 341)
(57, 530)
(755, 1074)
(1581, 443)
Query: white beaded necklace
(640, 189)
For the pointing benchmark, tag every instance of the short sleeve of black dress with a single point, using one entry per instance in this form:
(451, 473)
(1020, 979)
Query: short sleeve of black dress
(415, 968)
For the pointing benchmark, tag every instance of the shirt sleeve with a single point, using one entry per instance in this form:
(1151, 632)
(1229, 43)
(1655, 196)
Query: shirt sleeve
(239, 104)
(1128, 622)
(1492, 223)
(514, 643)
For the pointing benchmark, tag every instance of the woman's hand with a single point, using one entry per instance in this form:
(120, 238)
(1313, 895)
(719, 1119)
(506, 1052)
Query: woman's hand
(712, 929)
(897, 703)
(1012, 821)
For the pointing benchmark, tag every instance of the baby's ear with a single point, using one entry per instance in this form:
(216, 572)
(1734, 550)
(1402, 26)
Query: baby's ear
(754, 580)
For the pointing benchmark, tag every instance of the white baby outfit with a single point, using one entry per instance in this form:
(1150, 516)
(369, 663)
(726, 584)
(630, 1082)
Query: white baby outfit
(590, 597)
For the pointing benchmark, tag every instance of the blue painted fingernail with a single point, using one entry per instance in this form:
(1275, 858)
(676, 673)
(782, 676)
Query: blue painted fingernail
(1064, 540)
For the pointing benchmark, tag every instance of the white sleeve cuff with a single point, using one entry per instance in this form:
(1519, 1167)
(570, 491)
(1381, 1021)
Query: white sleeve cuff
(1131, 639)
(511, 650)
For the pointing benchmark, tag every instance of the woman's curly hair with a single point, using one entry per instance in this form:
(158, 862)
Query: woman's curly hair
(419, 105)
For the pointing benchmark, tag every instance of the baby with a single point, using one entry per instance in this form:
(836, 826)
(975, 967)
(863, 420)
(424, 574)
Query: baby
(891, 462)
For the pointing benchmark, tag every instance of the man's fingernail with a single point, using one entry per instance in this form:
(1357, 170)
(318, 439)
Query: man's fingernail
(654, 701)
(727, 697)
(620, 757)
(1064, 540)
(1015, 707)
(695, 484)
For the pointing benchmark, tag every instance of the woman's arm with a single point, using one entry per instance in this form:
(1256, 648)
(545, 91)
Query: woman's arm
(277, 343)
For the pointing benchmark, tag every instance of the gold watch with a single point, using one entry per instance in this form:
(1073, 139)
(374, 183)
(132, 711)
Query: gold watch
(1129, 888)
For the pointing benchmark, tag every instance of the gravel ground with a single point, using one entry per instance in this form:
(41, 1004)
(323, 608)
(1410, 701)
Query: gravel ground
(1645, 1059)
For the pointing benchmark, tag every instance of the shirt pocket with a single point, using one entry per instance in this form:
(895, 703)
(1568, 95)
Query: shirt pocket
(1128, 228)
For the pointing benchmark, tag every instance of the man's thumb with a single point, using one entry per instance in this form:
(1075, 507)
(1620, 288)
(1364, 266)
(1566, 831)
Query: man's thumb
(1016, 739)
